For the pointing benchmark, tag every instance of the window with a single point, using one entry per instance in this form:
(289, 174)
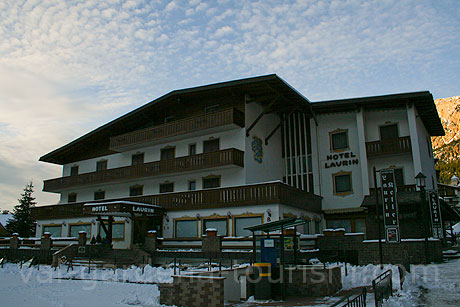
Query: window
(240, 223)
(211, 109)
(74, 170)
(168, 153)
(211, 145)
(360, 225)
(136, 190)
(137, 159)
(339, 140)
(167, 187)
(336, 224)
(221, 225)
(186, 229)
(342, 183)
(169, 119)
(99, 195)
(388, 132)
(76, 228)
(55, 230)
(306, 227)
(192, 185)
(72, 198)
(118, 231)
(101, 165)
(211, 182)
(317, 227)
(191, 149)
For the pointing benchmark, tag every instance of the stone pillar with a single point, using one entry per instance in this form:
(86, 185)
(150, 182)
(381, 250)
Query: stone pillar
(150, 244)
(14, 241)
(46, 243)
(211, 243)
(82, 238)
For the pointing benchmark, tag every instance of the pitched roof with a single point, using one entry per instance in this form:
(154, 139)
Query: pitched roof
(423, 102)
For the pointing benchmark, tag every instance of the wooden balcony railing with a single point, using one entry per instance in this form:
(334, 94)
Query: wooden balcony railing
(400, 188)
(171, 166)
(248, 195)
(206, 121)
(388, 147)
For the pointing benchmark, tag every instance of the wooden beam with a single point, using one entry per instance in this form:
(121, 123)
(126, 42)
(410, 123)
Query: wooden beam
(277, 127)
(265, 111)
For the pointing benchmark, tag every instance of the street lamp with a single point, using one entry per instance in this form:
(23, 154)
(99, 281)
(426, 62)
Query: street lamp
(420, 181)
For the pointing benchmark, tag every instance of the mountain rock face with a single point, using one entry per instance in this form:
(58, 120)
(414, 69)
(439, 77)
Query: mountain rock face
(447, 148)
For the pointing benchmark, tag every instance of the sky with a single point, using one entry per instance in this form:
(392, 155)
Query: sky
(68, 67)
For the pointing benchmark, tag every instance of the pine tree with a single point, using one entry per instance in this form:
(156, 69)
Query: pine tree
(21, 221)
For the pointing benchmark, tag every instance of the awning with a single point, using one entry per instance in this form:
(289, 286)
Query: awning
(122, 208)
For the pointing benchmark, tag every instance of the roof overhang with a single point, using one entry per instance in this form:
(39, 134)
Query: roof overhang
(261, 89)
(423, 102)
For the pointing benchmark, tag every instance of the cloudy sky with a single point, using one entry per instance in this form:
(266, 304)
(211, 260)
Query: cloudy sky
(67, 67)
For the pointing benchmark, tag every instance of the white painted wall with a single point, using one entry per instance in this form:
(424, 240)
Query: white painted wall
(328, 123)
(376, 118)
(271, 167)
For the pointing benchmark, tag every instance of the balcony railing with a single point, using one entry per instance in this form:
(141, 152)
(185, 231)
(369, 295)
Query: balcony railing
(212, 120)
(248, 195)
(171, 166)
(400, 188)
(388, 147)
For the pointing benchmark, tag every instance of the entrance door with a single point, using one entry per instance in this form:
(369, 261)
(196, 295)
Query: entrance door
(143, 224)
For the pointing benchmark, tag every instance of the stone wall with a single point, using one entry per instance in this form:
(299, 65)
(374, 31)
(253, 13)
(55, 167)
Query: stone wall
(313, 281)
(354, 249)
(193, 291)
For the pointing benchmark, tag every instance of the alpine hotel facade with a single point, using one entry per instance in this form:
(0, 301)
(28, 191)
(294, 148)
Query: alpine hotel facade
(240, 153)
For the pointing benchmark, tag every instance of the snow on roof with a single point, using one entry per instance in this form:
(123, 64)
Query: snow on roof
(4, 218)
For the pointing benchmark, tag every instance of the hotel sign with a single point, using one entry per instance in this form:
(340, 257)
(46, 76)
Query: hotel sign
(435, 210)
(390, 206)
(341, 159)
(122, 208)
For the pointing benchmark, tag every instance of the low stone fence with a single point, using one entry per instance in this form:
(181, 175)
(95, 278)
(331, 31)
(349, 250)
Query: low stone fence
(354, 249)
(313, 281)
(193, 291)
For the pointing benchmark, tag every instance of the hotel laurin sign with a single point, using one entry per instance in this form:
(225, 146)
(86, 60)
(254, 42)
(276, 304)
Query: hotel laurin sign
(341, 159)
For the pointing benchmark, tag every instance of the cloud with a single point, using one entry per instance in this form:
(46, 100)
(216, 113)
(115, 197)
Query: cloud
(69, 67)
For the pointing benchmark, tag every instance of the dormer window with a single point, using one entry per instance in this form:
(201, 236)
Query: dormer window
(339, 140)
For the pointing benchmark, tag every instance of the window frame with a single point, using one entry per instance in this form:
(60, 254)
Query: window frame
(72, 194)
(183, 219)
(209, 141)
(100, 231)
(101, 165)
(189, 187)
(211, 177)
(136, 157)
(88, 235)
(235, 217)
(168, 148)
(51, 225)
(190, 151)
(163, 184)
(387, 125)
(215, 218)
(342, 173)
(137, 186)
(331, 142)
(100, 191)
(72, 170)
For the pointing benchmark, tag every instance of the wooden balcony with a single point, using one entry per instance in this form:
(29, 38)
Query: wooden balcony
(248, 195)
(183, 164)
(388, 147)
(179, 127)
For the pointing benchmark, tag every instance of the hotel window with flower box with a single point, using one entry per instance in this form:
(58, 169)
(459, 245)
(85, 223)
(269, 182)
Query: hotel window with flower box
(339, 140)
(54, 230)
(342, 183)
(187, 228)
(74, 229)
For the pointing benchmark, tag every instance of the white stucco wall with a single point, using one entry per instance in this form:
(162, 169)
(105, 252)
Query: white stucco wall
(271, 167)
(374, 119)
(328, 123)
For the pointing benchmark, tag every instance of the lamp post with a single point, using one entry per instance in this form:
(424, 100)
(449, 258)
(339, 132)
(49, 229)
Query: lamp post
(420, 182)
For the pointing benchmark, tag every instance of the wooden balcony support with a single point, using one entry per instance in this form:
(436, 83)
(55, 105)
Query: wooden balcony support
(388, 147)
(248, 195)
(221, 118)
(183, 164)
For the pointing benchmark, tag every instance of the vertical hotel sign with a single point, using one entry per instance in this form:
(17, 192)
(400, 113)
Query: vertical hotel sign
(435, 210)
(390, 206)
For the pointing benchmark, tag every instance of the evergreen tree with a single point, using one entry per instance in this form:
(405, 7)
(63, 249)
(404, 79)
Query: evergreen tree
(21, 221)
